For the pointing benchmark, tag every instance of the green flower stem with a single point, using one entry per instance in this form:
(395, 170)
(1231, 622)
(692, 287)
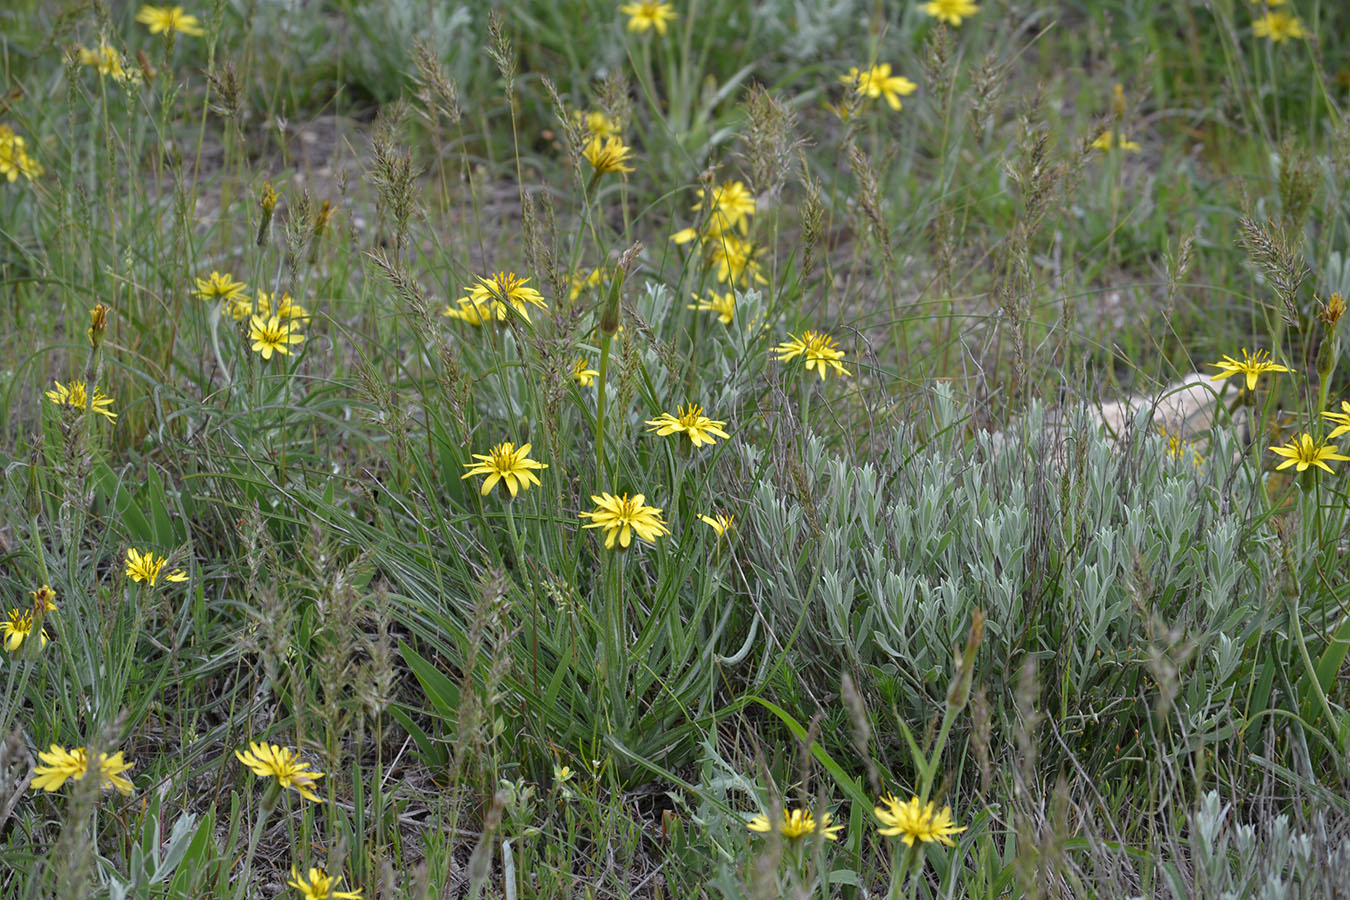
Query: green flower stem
(269, 803)
(601, 383)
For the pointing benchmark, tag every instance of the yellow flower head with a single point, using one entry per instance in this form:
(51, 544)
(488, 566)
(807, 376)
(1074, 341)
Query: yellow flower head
(1342, 420)
(595, 123)
(283, 764)
(583, 374)
(488, 299)
(1278, 26)
(951, 11)
(818, 351)
(1331, 311)
(730, 206)
(722, 304)
(1303, 452)
(1252, 366)
(1108, 139)
(106, 61)
(622, 516)
(60, 765)
(166, 19)
(689, 421)
(14, 159)
(879, 82)
(607, 155)
(320, 886)
(913, 821)
(645, 14)
(219, 286)
(286, 307)
(78, 396)
(735, 260)
(1177, 450)
(19, 628)
(508, 464)
(272, 336)
(44, 598)
(797, 823)
(598, 276)
(719, 523)
(147, 567)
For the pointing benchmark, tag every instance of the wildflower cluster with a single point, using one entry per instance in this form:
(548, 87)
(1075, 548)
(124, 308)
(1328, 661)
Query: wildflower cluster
(724, 221)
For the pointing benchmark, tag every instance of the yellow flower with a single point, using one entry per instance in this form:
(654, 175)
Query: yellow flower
(817, 350)
(272, 336)
(722, 304)
(219, 286)
(1331, 311)
(735, 260)
(165, 19)
(19, 628)
(283, 764)
(44, 598)
(77, 396)
(689, 421)
(1252, 366)
(879, 82)
(583, 374)
(797, 823)
(488, 299)
(595, 123)
(951, 11)
(731, 206)
(286, 308)
(622, 516)
(14, 160)
(98, 323)
(1107, 139)
(505, 463)
(1303, 452)
(319, 886)
(146, 567)
(581, 282)
(719, 523)
(1176, 449)
(645, 14)
(562, 774)
(1278, 26)
(1342, 420)
(106, 61)
(607, 155)
(913, 821)
(61, 765)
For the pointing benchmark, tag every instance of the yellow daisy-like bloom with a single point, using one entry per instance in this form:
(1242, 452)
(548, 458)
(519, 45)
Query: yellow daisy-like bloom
(735, 260)
(505, 463)
(1342, 420)
(690, 421)
(61, 765)
(879, 82)
(487, 300)
(1177, 450)
(913, 821)
(597, 277)
(106, 61)
(44, 598)
(730, 206)
(164, 19)
(621, 517)
(1108, 139)
(19, 628)
(951, 11)
(1278, 26)
(1304, 451)
(722, 304)
(272, 336)
(219, 286)
(595, 123)
(645, 14)
(817, 350)
(283, 764)
(1252, 366)
(14, 159)
(286, 308)
(797, 823)
(320, 886)
(719, 523)
(583, 374)
(147, 567)
(77, 395)
(607, 155)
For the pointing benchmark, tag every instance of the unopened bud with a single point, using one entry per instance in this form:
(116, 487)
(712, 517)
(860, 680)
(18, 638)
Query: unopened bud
(267, 201)
(98, 323)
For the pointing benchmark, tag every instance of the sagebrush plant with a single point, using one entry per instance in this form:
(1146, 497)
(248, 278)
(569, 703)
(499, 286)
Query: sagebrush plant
(674, 447)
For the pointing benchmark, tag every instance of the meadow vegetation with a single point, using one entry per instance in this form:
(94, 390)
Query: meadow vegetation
(603, 449)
